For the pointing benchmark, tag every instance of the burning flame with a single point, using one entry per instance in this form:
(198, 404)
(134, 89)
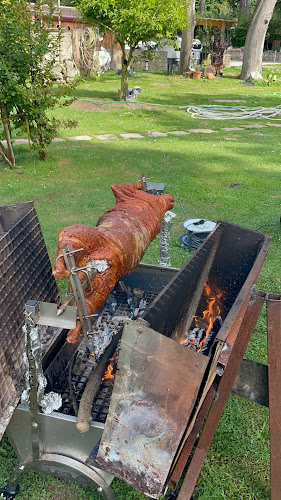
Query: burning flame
(108, 372)
(210, 314)
(214, 306)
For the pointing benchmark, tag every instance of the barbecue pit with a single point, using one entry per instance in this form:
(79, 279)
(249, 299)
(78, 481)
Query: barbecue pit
(231, 258)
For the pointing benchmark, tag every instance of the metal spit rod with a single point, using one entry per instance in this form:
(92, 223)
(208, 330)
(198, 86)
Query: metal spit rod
(78, 293)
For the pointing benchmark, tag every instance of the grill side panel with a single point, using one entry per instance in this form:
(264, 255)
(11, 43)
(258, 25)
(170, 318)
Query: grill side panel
(25, 273)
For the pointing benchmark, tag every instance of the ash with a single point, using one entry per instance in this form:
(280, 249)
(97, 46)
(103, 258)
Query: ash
(122, 304)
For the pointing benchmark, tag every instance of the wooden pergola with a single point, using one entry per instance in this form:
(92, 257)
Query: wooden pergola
(223, 23)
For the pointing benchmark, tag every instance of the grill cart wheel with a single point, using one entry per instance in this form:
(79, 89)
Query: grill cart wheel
(8, 492)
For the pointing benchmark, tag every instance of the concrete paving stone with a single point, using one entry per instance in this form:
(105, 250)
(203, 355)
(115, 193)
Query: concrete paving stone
(157, 134)
(230, 129)
(80, 138)
(58, 139)
(20, 141)
(179, 132)
(254, 126)
(201, 130)
(274, 124)
(132, 135)
(230, 138)
(106, 137)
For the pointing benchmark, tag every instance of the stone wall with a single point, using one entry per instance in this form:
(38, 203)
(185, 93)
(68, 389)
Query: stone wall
(70, 51)
(268, 55)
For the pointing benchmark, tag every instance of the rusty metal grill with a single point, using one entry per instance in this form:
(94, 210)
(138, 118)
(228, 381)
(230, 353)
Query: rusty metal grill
(25, 272)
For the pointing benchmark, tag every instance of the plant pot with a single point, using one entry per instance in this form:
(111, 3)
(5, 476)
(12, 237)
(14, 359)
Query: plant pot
(197, 75)
(210, 76)
(188, 74)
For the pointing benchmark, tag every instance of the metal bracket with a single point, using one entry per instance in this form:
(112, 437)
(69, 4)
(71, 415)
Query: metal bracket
(78, 292)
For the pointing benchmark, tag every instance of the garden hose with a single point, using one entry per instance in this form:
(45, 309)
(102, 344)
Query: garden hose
(213, 112)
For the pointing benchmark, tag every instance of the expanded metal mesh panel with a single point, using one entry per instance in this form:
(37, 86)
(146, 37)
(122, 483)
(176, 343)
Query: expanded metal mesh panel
(25, 273)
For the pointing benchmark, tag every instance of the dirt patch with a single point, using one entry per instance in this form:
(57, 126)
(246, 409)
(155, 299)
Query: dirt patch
(236, 184)
(64, 491)
(158, 84)
(106, 108)
(128, 173)
(71, 220)
(64, 161)
(47, 198)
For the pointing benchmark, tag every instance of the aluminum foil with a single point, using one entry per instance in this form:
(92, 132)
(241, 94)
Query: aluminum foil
(165, 237)
(36, 350)
(98, 265)
(50, 402)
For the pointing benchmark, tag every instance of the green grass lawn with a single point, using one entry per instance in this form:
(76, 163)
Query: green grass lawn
(224, 175)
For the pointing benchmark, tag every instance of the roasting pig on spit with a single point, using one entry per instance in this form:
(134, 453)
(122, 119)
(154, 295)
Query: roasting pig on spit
(120, 238)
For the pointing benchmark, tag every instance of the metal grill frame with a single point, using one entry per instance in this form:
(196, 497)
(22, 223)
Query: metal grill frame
(25, 273)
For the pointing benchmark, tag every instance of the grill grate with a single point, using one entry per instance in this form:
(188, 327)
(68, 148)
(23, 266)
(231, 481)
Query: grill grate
(83, 365)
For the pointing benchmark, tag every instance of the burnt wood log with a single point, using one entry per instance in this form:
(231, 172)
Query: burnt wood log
(92, 387)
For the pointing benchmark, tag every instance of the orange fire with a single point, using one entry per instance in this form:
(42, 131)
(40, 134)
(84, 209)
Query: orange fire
(214, 296)
(108, 372)
(213, 310)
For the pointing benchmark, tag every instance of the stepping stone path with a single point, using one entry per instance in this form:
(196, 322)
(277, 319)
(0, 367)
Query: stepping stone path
(254, 126)
(80, 138)
(136, 135)
(179, 132)
(106, 137)
(133, 135)
(201, 130)
(231, 129)
(20, 141)
(157, 134)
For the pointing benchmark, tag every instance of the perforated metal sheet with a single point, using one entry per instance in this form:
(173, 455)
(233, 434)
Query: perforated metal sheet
(25, 273)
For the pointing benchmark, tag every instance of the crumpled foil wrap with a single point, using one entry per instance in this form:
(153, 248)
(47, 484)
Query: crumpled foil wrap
(98, 265)
(36, 348)
(165, 237)
(50, 402)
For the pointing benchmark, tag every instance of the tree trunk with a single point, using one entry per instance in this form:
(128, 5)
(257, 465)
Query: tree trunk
(248, 7)
(243, 5)
(8, 158)
(187, 38)
(202, 6)
(253, 50)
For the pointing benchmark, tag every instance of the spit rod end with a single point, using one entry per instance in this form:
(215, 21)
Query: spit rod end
(60, 310)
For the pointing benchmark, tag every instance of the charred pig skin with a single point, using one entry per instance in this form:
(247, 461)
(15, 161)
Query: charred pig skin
(121, 237)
